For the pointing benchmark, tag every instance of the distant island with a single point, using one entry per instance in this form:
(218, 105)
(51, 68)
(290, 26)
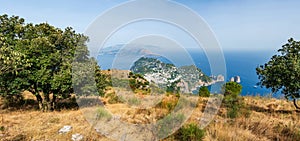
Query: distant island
(164, 74)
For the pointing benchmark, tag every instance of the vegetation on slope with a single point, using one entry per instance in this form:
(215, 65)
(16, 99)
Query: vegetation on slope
(35, 73)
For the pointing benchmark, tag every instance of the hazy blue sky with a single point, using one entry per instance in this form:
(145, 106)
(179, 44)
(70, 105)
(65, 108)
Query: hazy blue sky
(237, 24)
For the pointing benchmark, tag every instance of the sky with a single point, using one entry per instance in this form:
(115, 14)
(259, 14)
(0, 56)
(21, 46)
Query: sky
(238, 25)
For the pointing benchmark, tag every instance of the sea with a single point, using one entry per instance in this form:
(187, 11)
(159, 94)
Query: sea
(238, 63)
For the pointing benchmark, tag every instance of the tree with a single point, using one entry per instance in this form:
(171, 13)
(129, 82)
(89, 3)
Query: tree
(50, 52)
(282, 72)
(39, 57)
(204, 92)
(232, 89)
(12, 60)
(232, 101)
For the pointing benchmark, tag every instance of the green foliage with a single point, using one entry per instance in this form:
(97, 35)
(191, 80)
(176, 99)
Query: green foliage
(138, 83)
(120, 83)
(167, 125)
(234, 104)
(2, 128)
(113, 98)
(12, 60)
(172, 88)
(236, 107)
(102, 113)
(16, 101)
(190, 132)
(204, 92)
(205, 78)
(102, 81)
(134, 101)
(232, 89)
(39, 58)
(232, 111)
(282, 71)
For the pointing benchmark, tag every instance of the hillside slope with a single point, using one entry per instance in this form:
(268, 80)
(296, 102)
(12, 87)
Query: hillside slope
(269, 119)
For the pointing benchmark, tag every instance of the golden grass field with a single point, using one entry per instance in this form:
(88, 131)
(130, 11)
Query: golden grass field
(269, 120)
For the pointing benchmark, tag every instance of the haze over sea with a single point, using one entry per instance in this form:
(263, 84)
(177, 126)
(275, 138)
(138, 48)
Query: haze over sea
(239, 63)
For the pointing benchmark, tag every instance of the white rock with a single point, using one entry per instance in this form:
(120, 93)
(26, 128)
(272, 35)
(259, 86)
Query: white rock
(65, 129)
(77, 137)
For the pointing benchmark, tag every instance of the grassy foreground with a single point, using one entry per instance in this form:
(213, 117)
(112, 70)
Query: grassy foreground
(268, 119)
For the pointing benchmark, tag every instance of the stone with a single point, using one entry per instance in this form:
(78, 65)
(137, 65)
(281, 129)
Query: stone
(65, 129)
(236, 79)
(77, 137)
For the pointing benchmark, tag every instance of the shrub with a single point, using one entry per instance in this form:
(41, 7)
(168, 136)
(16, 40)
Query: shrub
(204, 92)
(113, 98)
(2, 128)
(233, 111)
(134, 101)
(13, 101)
(168, 102)
(190, 132)
(232, 89)
(234, 104)
(102, 113)
(169, 123)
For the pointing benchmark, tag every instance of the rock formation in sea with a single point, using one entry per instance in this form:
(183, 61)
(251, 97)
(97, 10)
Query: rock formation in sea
(236, 79)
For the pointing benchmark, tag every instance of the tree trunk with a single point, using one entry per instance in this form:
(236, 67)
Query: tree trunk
(40, 101)
(47, 102)
(53, 102)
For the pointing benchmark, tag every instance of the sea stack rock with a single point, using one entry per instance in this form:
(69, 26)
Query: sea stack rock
(236, 79)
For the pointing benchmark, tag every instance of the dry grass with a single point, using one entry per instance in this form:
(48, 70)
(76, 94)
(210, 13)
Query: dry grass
(270, 119)
(36, 125)
(277, 122)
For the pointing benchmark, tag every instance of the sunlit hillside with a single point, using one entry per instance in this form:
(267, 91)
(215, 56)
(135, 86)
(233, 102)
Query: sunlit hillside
(263, 119)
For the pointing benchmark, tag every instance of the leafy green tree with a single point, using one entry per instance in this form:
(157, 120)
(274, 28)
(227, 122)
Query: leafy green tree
(12, 60)
(204, 92)
(282, 72)
(39, 58)
(232, 89)
(50, 52)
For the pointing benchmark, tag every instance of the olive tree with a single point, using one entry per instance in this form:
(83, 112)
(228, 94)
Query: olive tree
(282, 72)
(38, 58)
(12, 60)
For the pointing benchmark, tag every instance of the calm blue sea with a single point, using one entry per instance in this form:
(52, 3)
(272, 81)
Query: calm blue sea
(240, 63)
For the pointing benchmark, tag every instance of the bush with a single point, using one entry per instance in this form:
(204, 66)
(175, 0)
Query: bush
(2, 128)
(102, 113)
(204, 92)
(113, 98)
(15, 101)
(134, 101)
(232, 89)
(233, 111)
(234, 104)
(169, 123)
(236, 107)
(190, 132)
(168, 103)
